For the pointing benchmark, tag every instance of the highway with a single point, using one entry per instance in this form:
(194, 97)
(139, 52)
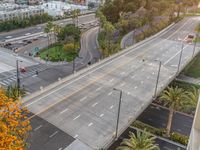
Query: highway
(40, 28)
(85, 106)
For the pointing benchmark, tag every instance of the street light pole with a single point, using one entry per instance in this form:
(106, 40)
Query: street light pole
(119, 106)
(157, 80)
(180, 58)
(18, 75)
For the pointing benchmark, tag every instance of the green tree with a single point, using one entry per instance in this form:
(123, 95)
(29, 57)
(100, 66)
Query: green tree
(141, 141)
(173, 97)
(75, 13)
(14, 93)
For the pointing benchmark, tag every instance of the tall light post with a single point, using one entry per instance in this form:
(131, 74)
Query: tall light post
(119, 106)
(194, 48)
(74, 65)
(180, 58)
(18, 75)
(157, 79)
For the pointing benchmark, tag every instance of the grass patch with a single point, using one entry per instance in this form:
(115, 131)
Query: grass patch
(56, 53)
(193, 69)
(184, 85)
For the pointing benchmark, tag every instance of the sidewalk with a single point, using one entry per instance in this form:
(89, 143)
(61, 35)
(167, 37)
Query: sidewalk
(188, 79)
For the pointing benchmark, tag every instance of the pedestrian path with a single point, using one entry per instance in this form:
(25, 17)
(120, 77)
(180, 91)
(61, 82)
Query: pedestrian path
(188, 79)
(9, 78)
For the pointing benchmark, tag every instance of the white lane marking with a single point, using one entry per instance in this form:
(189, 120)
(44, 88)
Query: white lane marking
(153, 72)
(111, 107)
(76, 117)
(122, 84)
(53, 134)
(64, 111)
(98, 88)
(111, 80)
(80, 77)
(110, 93)
(90, 124)
(82, 99)
(142, 82)
(128, 93)
(38, 128)
(174, 56)
(101, 115)
(135, 87)
(122, 73)
(76, 136)
(94, 104)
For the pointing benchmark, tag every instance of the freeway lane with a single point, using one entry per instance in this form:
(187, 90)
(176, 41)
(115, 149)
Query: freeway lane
(40, 28)
(86, 107)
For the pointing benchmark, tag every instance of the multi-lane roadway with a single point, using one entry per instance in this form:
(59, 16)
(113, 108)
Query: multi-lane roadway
(85, 105)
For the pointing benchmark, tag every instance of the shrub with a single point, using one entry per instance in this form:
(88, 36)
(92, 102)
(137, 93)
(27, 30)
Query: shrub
(156, 131)
(176, 137)
(68, 47)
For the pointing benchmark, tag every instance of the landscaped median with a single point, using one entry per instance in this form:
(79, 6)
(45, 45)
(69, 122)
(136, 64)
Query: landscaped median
(174, 136)
(67, 43)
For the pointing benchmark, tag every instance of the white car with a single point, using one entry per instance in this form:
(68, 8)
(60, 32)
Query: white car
(27, 34)
(8, 37)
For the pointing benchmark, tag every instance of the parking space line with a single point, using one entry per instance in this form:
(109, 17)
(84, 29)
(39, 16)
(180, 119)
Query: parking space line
(38, 128)
(53, 134)
(110, 93)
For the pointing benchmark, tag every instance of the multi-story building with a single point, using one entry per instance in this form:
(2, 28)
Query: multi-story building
(21, 13)
(58, 8)
(194, 142)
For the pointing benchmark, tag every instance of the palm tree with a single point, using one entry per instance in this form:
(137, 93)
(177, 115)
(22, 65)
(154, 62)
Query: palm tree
(191, 99)
(141, 141)
(75, 13)
(173, 97)
(48, 29)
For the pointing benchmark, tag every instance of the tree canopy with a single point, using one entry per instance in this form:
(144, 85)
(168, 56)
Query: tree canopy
(14, 125)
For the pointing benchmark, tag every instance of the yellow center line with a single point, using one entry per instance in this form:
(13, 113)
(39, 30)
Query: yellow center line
(107, 73)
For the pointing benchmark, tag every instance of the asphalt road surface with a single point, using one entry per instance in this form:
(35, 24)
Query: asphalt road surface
(8, 60)
(48, 73)
(85, 106)
(157, 117)
(45, 136)
(40, 28)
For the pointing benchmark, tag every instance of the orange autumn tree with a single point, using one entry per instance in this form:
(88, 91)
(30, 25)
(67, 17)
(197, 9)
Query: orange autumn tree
(14, 125)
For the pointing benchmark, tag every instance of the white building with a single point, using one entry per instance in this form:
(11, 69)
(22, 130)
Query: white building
(21, 13)
(58, 8)
(194, 142)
